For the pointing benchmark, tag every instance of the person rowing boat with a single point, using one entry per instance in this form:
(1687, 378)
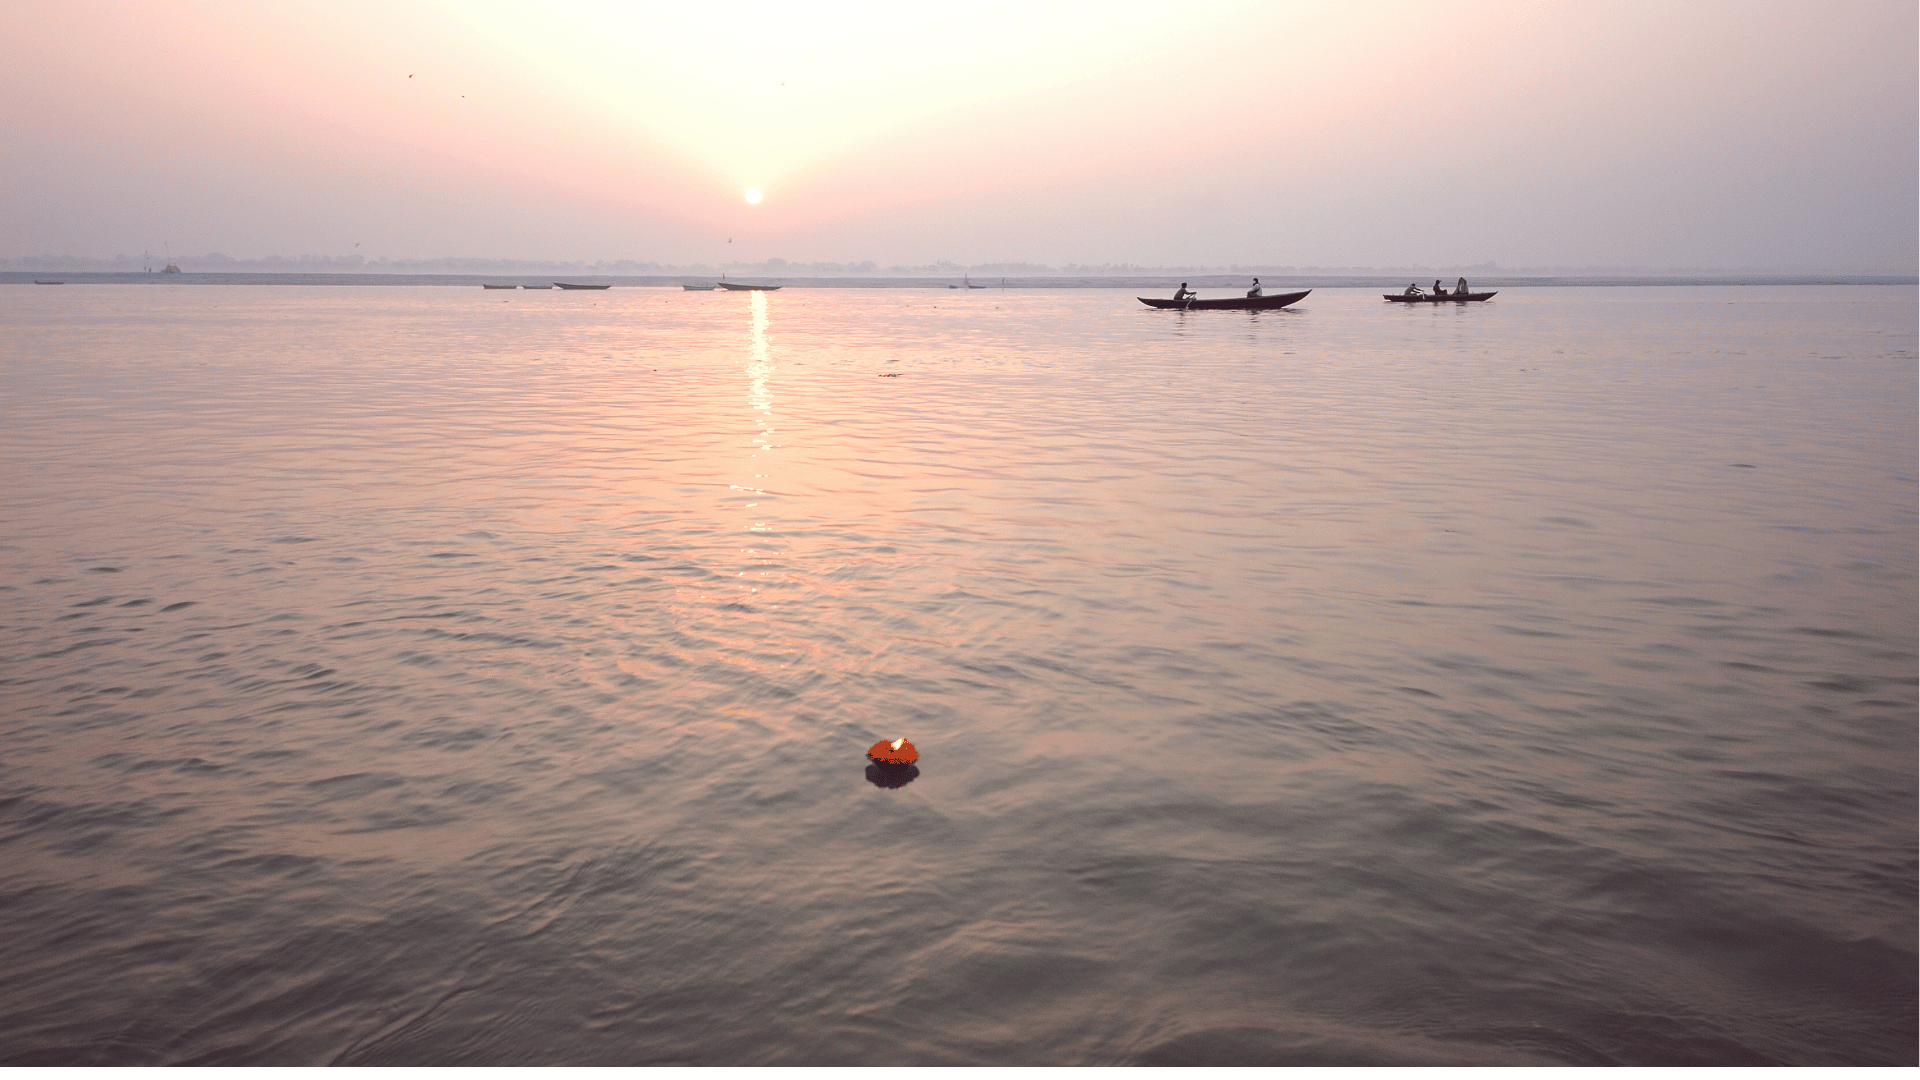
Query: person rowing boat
(1228, 303)
(1184, 293)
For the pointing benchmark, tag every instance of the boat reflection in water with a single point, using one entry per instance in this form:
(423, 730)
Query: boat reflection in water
(891, 776)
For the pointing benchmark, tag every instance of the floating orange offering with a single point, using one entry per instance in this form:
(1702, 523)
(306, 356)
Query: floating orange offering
(896, 752)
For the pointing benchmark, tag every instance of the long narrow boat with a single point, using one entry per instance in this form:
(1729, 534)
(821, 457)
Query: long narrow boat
(1231, 303)
(564, 285)
(1402, 298)
(747, 288)
(484, 285)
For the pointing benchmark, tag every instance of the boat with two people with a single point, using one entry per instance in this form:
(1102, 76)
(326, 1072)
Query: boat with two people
(1255, 300)
(1461, 294)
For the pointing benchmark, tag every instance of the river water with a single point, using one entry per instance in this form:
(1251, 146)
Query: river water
(444, 676)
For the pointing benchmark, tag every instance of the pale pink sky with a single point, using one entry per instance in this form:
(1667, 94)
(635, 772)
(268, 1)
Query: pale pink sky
(1727, 135)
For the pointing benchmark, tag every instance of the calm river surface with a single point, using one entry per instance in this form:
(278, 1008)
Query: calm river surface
(405, 675)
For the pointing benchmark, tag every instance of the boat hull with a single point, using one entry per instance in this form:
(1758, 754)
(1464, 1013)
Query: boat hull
(1231, 303)
(564, 285)
(731, 287)
(1470, 298)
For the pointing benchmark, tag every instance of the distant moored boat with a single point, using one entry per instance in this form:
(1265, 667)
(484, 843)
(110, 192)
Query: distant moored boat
(564, 285)
(747, 288)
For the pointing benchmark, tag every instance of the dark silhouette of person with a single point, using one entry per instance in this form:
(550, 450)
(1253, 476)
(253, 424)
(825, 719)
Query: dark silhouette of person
(1184, 293)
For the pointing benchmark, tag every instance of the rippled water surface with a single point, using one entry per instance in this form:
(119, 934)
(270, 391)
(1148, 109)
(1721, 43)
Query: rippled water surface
(430, 675)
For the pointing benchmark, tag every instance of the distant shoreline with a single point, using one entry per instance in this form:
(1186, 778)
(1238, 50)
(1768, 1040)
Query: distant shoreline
(1063, 281)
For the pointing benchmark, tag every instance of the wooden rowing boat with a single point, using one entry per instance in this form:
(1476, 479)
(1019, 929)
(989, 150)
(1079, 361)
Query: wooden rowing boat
(564, 285)
(1423, 298)
(747, 288)
(484, 285)
(1231, 303)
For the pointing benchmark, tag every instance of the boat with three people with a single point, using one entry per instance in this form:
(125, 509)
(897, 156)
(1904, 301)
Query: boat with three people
(1460, 294)
(1449, 298)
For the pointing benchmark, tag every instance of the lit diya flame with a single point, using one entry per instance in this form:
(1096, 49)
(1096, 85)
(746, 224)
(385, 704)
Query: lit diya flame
(897, 752)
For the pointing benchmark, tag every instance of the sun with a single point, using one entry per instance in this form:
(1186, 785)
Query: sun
(753, 195)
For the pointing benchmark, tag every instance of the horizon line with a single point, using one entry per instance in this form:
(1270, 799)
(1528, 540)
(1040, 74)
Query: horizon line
(454, 264)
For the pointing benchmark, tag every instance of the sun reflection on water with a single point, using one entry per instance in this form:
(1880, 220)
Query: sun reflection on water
(759, 370)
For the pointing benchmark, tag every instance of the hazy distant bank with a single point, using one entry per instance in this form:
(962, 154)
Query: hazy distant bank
(1272, 280)
(463, 270)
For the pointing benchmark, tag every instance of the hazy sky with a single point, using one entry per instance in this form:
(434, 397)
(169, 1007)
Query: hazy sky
(1729, 135)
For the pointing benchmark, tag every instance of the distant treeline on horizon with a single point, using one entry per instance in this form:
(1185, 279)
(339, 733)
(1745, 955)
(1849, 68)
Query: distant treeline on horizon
(355, 264)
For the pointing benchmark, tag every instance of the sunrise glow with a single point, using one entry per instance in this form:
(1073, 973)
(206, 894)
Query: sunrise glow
(1290, 132)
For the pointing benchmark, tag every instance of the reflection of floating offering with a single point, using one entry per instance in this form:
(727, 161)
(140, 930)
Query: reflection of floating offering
(891, 777)
(898, 752)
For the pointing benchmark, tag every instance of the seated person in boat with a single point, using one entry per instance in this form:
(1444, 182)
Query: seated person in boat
(1437, 290)
(1460, 289)
(1413, 290)
(1184, 293)
(1255, 291)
